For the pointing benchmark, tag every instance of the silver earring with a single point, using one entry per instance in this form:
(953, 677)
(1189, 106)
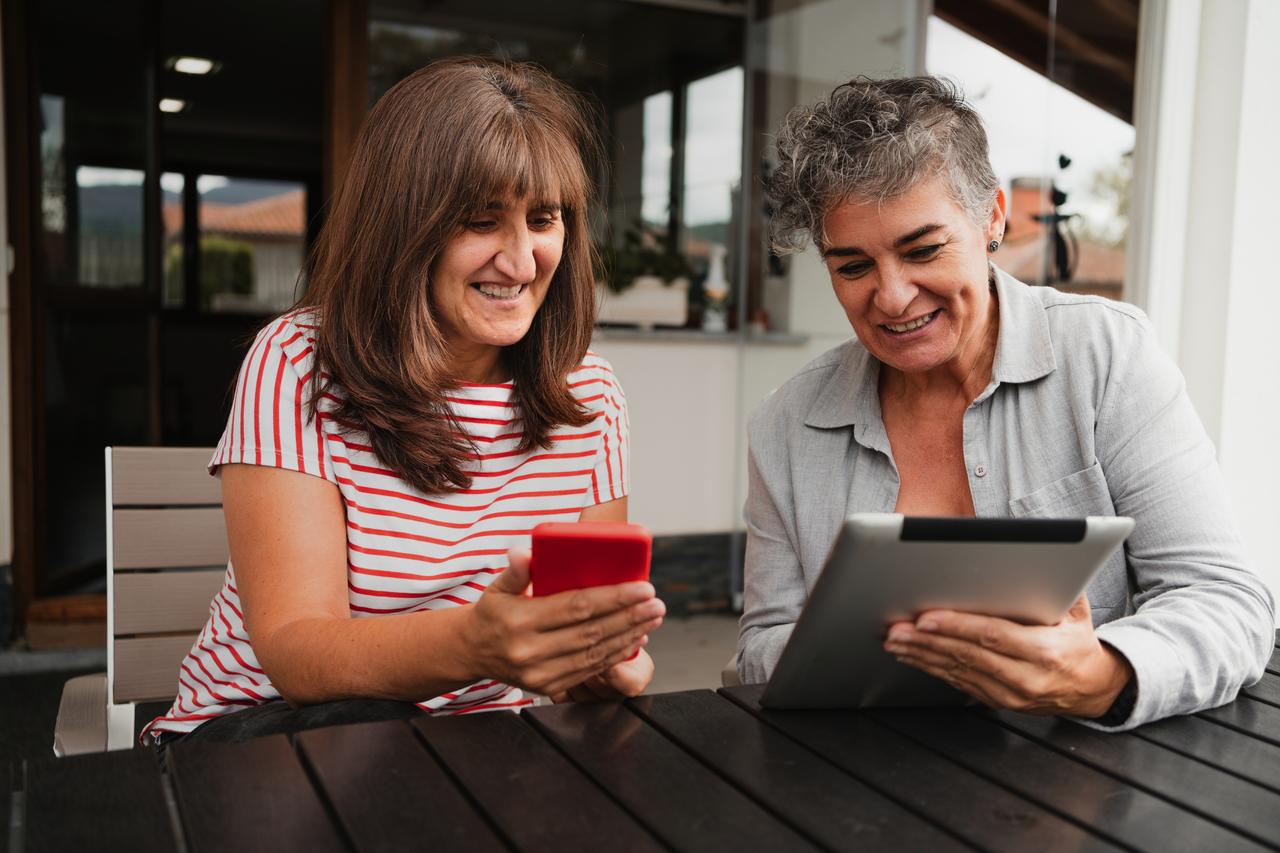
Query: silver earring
(993, 246)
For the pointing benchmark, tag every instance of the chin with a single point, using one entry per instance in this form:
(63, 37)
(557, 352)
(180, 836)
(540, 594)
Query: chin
(505, 337)
(921, 362)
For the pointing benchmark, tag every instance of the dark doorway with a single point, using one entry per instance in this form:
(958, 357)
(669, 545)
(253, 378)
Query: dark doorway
(165, 215)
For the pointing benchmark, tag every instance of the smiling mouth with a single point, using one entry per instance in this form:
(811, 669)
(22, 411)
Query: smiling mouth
(500, 293)
(903, 328)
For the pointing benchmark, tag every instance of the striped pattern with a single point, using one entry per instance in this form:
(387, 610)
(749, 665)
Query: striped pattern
(406, 551)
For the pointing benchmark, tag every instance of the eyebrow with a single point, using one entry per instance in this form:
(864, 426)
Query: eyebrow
(849, 251)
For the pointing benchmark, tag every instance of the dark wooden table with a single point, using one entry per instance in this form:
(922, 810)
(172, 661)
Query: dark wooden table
(687, 771)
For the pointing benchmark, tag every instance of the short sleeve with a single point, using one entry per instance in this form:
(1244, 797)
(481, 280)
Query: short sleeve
(270, 421)
(611, 476)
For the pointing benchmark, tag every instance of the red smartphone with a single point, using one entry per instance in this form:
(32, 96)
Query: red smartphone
(573, 555)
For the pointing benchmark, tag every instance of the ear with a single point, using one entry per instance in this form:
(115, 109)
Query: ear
(996, 227)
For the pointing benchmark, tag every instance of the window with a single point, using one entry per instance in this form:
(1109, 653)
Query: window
(1064, 162)
(670, 82)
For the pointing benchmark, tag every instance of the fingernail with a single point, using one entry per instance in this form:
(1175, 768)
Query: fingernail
(651, 609)
(927, 625)
(637, 592)
(900, 635)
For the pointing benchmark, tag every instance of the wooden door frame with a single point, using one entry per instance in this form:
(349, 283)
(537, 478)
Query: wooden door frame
(22, 147)
(346, 90)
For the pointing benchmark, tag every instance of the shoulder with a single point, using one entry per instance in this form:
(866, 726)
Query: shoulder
(1075, 319)
(594, 384)
(1107, 353)
(791, 401)
(289, 338)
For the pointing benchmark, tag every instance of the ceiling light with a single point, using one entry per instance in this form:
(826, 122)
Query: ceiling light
(172, 105)
(192, 65)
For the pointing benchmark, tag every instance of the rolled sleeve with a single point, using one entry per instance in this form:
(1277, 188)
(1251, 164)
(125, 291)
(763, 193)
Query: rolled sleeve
(1203, 621)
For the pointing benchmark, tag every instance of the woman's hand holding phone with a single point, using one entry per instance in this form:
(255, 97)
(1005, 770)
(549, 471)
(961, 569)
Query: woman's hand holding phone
(619, 681)
(556, 643)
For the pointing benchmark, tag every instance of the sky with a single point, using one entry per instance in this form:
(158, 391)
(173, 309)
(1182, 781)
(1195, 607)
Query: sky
(1030, 120)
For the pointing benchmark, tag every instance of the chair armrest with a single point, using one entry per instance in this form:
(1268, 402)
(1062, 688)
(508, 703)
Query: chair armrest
(729, 675)
(82, 716)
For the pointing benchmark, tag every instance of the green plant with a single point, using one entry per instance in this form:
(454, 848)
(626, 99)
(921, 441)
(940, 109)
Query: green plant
(226, 266)
(643, 251)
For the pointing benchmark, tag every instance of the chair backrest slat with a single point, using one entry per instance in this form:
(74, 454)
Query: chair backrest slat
(169, 538)
(164, 476)
(168, 559)
(164, 602)
(147, 667)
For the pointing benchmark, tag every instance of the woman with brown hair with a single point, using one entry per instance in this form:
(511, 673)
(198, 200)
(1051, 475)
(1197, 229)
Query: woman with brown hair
(395, 437)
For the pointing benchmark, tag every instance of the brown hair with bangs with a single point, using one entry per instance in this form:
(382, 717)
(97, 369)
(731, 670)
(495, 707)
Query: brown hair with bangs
(439, 146)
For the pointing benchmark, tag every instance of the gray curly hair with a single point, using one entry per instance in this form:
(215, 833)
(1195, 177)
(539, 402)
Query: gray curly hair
(875, 139)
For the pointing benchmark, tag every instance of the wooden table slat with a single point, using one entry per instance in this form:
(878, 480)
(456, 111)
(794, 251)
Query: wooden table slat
(1227, 749)
(654, 779)
(1124, 813)
(1250, 716)
(537, 799)
(78, 803)
(1208, 791)
(969, 806)
(390, 793)
(819, 799)
(1273, 665)
(249, 796)
(1266, 690)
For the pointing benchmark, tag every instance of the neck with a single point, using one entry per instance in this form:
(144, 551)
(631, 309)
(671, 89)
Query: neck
(479, 363)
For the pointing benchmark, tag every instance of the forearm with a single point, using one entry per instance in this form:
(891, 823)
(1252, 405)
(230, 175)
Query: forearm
(1193, 649)
(759, 650)
(409, 657)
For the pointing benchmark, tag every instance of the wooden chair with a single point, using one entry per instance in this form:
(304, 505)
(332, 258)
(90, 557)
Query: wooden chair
(166, 559)
(729, 673)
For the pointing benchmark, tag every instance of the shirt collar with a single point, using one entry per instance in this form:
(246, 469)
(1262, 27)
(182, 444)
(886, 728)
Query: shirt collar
(1024, 352)
(1024, 348)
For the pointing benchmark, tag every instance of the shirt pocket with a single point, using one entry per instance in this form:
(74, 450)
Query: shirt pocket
(1076, 496)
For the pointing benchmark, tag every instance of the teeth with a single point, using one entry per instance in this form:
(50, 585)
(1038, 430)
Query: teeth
(907, 327)
(499, 292)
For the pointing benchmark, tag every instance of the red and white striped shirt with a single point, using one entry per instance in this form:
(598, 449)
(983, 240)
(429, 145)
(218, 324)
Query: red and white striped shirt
(406, 551)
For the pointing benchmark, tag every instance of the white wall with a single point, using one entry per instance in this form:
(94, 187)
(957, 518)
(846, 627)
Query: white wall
(1218, 316)
(682, 398)
(1247, 283)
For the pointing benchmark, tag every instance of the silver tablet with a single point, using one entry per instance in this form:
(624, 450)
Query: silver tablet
(886, 568)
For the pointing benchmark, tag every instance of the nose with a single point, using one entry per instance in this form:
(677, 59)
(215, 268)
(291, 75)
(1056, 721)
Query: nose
(515, 258)
(894, 291)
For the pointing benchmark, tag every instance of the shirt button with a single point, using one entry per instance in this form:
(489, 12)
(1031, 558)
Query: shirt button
(980, 471)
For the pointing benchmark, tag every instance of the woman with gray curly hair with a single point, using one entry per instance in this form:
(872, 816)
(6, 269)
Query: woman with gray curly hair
(967, 393)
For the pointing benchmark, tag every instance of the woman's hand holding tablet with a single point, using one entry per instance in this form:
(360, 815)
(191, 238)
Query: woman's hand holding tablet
(914, 587)
(1036, 669)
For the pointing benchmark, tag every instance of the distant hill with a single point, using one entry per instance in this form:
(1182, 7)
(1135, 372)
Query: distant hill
(240, 190)
(117, 209)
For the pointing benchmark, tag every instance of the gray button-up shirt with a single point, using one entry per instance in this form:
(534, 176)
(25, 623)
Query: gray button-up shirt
(1084, 415)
